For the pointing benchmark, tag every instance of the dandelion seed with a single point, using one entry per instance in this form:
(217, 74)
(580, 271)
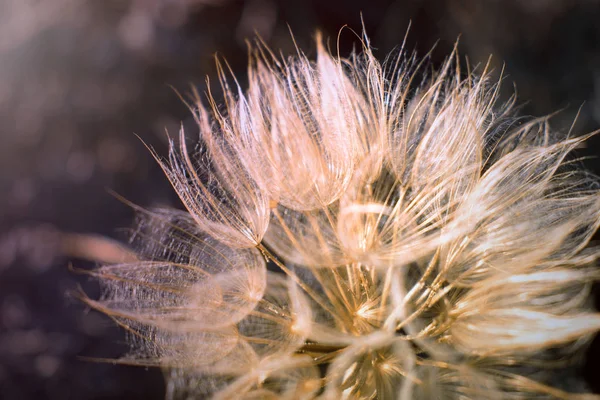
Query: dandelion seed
(427, 245)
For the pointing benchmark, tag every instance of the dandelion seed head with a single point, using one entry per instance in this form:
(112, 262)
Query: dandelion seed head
(424, 242)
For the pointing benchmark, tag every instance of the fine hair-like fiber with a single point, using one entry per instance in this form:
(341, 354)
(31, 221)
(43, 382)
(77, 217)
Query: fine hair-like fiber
(423, 242)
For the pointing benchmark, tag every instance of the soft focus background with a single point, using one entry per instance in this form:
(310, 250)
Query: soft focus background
(78, 78)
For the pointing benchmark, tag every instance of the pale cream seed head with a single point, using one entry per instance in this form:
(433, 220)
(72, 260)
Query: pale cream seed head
(424, 248)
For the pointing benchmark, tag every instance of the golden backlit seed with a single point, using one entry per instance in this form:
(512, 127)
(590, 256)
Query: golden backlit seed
(425, 247)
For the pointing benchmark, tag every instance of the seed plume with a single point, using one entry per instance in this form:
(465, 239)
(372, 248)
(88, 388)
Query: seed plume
(421, 240)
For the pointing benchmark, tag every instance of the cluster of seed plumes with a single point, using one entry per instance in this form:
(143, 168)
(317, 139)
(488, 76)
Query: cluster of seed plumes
(363, 230)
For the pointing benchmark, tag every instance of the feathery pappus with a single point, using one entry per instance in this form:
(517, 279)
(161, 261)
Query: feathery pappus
(423, 242)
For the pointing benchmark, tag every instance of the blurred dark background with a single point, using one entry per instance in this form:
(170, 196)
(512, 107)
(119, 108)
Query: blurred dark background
(79, 77)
